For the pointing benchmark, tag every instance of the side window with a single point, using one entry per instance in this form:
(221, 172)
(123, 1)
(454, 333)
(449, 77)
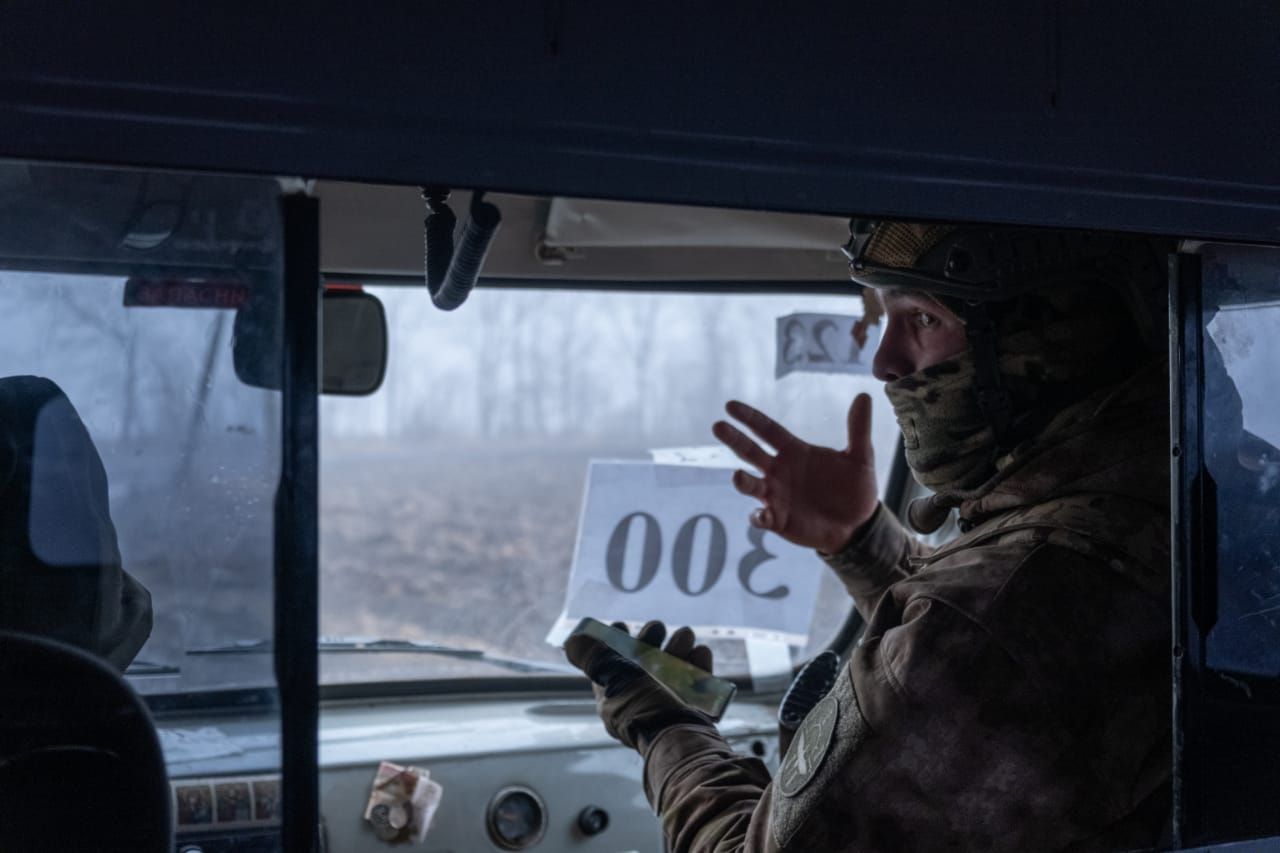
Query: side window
(1227, 628)
(516, 436)
(1242, 434)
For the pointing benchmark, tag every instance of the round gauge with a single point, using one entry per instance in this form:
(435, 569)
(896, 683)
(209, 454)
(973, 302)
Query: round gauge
(517, 818)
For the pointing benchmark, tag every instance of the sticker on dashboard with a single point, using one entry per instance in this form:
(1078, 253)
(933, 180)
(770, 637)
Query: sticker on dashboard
(226, 802)
(402, 803)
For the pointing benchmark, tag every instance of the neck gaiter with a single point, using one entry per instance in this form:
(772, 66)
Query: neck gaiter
(949, 443)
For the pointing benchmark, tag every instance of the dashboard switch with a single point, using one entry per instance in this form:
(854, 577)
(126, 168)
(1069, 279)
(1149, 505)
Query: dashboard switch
(593, 820)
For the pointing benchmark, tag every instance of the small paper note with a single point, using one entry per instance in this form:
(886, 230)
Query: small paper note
(402, 803)
(183, 745)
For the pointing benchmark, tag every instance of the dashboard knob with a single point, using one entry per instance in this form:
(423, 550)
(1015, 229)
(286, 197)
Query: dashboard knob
(593, 820)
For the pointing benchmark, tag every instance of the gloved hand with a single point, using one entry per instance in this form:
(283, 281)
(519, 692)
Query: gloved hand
(632, 705)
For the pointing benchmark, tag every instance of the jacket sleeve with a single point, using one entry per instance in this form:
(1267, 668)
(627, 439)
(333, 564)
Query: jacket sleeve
(705, 793)
(932, 739)
(876, 559)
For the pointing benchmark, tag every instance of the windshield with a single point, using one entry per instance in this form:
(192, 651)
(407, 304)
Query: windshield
(139, 471)
(190, 456)
(462, 501)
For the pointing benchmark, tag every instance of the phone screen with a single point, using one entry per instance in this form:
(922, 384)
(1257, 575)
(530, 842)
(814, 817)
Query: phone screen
(694, 687)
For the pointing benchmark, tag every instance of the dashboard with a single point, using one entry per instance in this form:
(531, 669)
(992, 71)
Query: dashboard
(535, 773)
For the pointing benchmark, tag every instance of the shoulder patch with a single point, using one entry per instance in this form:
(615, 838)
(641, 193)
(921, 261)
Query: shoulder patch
(817, 765)
(810, 746)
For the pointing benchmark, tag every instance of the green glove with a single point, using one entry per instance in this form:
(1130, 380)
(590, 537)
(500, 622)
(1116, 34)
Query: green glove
(632, 705)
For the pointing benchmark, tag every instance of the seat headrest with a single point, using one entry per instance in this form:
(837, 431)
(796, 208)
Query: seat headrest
(81, 767)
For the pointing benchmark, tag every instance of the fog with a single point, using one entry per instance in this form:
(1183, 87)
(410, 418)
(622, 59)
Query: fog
(617, 367)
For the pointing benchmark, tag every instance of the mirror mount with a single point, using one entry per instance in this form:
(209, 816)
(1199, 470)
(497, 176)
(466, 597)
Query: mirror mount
(451, 275)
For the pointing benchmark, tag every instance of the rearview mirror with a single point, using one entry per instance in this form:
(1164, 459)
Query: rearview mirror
(354, 336)
(353, 358)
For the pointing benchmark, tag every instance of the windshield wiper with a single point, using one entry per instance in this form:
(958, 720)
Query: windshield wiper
(392, 646)
(146, 667)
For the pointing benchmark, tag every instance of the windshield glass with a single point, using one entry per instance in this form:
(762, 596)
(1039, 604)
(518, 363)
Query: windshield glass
(454, 501)
(139, 471)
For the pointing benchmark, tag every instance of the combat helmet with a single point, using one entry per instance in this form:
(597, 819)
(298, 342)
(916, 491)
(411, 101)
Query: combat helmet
(1049, 316)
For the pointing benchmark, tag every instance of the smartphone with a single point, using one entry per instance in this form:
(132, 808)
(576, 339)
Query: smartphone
(695, 687)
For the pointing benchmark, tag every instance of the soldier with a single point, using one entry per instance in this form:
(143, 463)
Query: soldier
(1011, 689)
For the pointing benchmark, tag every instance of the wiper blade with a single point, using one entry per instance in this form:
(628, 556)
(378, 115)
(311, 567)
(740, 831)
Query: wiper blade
(342, 644)
(392, 646)
(380, 644)
(146, 667)
(236, 648)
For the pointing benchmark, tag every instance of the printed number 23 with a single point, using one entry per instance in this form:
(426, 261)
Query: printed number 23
(795, 348)
(682, 555)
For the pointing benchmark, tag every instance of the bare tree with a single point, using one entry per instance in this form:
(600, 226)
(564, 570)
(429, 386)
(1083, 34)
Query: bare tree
(495, 322)
(637, 330)
(118, 328)
(199, 411)
(573, 342)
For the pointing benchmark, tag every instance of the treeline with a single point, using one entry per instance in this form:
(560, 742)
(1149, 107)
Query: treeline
(546, 364)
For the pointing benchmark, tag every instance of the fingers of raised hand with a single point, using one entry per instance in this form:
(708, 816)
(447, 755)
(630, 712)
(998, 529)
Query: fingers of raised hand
(859, 423)
(701, 658)
(749, 484)
(742, 446)
(761, 424)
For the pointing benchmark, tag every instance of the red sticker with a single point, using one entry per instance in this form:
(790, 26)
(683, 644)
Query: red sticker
(184, 293)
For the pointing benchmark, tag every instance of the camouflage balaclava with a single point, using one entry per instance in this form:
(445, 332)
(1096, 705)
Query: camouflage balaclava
(1053, 346)
(948, 441)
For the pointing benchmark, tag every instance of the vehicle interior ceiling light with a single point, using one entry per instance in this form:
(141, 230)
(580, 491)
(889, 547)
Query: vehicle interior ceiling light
(452, 274)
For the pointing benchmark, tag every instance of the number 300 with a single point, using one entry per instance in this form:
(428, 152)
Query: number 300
(682, 555)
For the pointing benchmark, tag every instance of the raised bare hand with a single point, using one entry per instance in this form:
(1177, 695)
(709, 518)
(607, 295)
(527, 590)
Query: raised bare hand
(813, 496)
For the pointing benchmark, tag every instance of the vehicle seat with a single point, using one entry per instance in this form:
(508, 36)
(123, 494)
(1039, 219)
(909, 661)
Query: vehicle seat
(80, 765)
(60, 569)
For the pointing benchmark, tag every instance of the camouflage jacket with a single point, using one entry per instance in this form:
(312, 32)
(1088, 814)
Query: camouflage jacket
(1011, 691)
